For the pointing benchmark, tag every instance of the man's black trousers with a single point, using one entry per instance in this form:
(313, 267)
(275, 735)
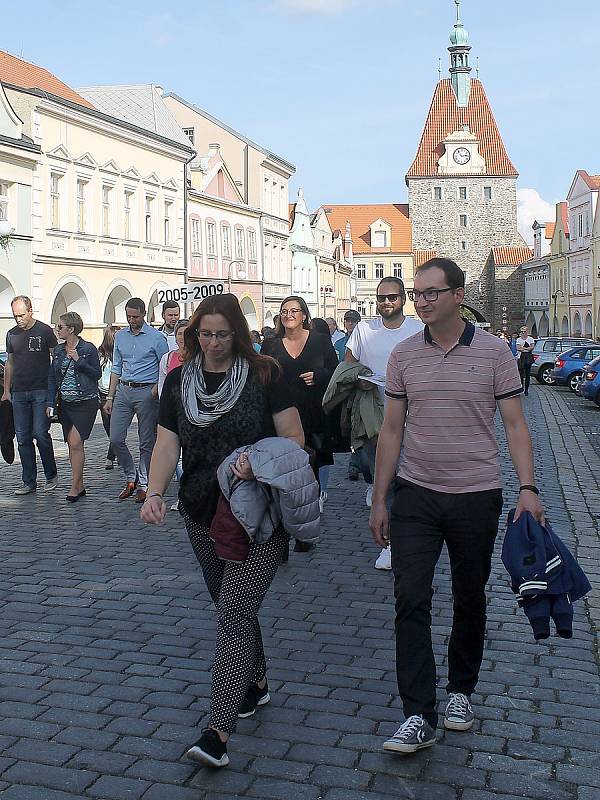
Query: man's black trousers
(421, 521)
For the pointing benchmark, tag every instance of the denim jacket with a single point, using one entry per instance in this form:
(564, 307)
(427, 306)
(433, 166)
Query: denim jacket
(87, 371)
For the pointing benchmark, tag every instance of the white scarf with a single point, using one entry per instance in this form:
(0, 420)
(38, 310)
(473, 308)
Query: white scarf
(201, 408)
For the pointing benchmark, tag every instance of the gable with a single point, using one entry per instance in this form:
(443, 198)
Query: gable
(61, 153)
(11, 124)
(153, 179)
(132, 173)
(112, 167)
(86, 160)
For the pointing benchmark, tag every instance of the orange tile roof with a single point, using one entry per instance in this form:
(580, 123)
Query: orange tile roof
(361, 217)
(550, 229)
(445, 117)
(593, 181)
(21, 73)
(511, 256)
(421, 256)
(564, 215)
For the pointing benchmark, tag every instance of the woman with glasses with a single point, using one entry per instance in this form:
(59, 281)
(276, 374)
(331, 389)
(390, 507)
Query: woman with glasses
(308, 361)
(73, 382)
(225, 396)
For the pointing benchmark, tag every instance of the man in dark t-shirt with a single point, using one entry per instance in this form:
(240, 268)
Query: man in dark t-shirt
(25, 383)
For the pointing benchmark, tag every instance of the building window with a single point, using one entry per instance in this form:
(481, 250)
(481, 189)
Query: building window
(81, 191)
(379, 238)
(361, 270)
(464, 245)
(266, 194)
(211, 238)
(462, 192)
(226, 240)
(167, 222)
(3, 200)
(196, 236)
(54, 200)
(466, 274)
(127, 215)
(487, 192)
(239, 243)
(397, 270)
(106, 210)
(437, 192)
(252, 246)
(580, 225)
(379, 270)
(148, 218)
(462, 220)
(189, 132)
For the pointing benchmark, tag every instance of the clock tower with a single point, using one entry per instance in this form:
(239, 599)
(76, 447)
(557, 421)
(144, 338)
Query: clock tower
(462, 184)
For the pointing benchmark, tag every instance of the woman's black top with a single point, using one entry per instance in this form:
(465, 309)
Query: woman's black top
(318, 356)
(204, 448)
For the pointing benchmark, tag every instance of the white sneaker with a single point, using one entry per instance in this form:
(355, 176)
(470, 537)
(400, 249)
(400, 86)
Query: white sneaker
(322, 501)
(175, 506)
(51, 484)
(24, 489)
(384, 559)
(369, 497)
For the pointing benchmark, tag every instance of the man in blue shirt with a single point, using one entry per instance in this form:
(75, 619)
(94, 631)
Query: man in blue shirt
(133, 391)
(351, 320)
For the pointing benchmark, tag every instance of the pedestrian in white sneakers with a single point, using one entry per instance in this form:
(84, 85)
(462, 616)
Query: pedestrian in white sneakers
(443, 387)
(371, 343)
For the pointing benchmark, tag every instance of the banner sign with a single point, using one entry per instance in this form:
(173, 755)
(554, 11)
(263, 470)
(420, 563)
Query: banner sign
(191, 292)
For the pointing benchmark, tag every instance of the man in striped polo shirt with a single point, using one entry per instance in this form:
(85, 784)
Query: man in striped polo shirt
(443, 386)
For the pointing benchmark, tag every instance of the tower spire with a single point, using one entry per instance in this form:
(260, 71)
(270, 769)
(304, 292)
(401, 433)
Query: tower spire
(459, 60)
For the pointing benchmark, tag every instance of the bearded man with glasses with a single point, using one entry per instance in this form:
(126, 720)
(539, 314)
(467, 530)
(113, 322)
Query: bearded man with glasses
(443, 387)
(371, 343)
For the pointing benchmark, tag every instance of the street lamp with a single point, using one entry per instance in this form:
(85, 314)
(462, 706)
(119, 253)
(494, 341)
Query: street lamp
(554, 298)
(241, 271)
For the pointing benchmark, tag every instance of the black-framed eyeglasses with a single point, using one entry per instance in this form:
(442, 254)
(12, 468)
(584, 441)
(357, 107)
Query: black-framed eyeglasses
(429, 295)
(220, 336)
(381, 298)
(290, 312)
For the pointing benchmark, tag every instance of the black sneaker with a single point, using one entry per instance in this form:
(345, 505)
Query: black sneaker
(209, 749)
(254, 697)
(414, 734)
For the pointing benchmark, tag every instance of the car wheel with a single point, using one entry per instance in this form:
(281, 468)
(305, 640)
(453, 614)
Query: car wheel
(545, 376)
(574, 381)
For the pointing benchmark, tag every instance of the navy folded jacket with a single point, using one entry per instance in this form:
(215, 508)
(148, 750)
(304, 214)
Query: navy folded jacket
(544, 575)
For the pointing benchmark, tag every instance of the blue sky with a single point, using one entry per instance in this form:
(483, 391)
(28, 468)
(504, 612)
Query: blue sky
(341, 88)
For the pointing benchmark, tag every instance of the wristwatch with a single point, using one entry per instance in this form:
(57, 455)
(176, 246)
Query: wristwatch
(529, 487)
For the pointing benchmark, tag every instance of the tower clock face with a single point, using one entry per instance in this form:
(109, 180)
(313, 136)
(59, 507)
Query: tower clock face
(462, 155)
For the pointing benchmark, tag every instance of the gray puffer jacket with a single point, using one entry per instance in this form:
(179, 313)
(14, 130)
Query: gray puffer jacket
(284, 491)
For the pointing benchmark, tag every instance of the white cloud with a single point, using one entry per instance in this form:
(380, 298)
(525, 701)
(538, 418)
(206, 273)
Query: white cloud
(531, 206)
(321, 6)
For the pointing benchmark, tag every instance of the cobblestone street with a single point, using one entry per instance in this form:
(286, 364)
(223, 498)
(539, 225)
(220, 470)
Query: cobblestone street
(107, 635)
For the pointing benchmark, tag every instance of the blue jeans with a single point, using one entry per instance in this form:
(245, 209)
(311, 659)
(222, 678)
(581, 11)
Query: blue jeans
(31, 422)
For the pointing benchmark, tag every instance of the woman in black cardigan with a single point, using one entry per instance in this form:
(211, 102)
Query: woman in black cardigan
(307, 359)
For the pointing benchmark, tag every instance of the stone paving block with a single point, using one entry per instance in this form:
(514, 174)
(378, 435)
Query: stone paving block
(53, 753)
(29, 792)
(116, 788)
(280, 768)
(70, 780)
(270, 788)
(319, 754)
(340, 776)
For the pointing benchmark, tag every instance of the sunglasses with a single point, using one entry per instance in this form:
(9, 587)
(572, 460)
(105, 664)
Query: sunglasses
(381, 298)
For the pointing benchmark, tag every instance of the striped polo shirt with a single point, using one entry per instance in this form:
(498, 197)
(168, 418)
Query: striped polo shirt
(449, 442)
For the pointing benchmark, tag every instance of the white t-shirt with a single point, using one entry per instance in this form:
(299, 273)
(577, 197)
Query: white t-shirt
(337, 335)
(520, 342)
(371, 343)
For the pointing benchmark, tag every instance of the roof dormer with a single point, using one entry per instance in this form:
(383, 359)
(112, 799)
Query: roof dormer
(381, 234)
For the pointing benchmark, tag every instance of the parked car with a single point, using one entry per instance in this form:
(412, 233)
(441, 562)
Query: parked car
(569, 366)
(590, 384)
(545, 352)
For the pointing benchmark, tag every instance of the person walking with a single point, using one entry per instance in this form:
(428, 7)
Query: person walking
(308, 360)
(105, 352)
(174, 358)
(335, 333)
(170, 314)
(439, 422)
(73, 381)
(371, 343)
(225, 396)
(29, 345)
(133, 391)
(525, 345)
(351, 320)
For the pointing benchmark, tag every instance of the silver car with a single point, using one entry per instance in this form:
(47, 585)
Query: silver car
(546, 351)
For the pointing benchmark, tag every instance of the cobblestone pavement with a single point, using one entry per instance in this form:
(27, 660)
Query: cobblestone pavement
(107, 633)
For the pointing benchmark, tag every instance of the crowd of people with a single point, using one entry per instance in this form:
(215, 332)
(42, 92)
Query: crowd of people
(250, 422)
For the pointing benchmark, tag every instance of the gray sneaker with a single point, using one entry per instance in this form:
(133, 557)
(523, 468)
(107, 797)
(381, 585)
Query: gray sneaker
(51, 484)
(414, 734)
(24, 489)
(459, 714)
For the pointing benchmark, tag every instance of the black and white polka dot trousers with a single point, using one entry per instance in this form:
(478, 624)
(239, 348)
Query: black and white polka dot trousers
(237, 590)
